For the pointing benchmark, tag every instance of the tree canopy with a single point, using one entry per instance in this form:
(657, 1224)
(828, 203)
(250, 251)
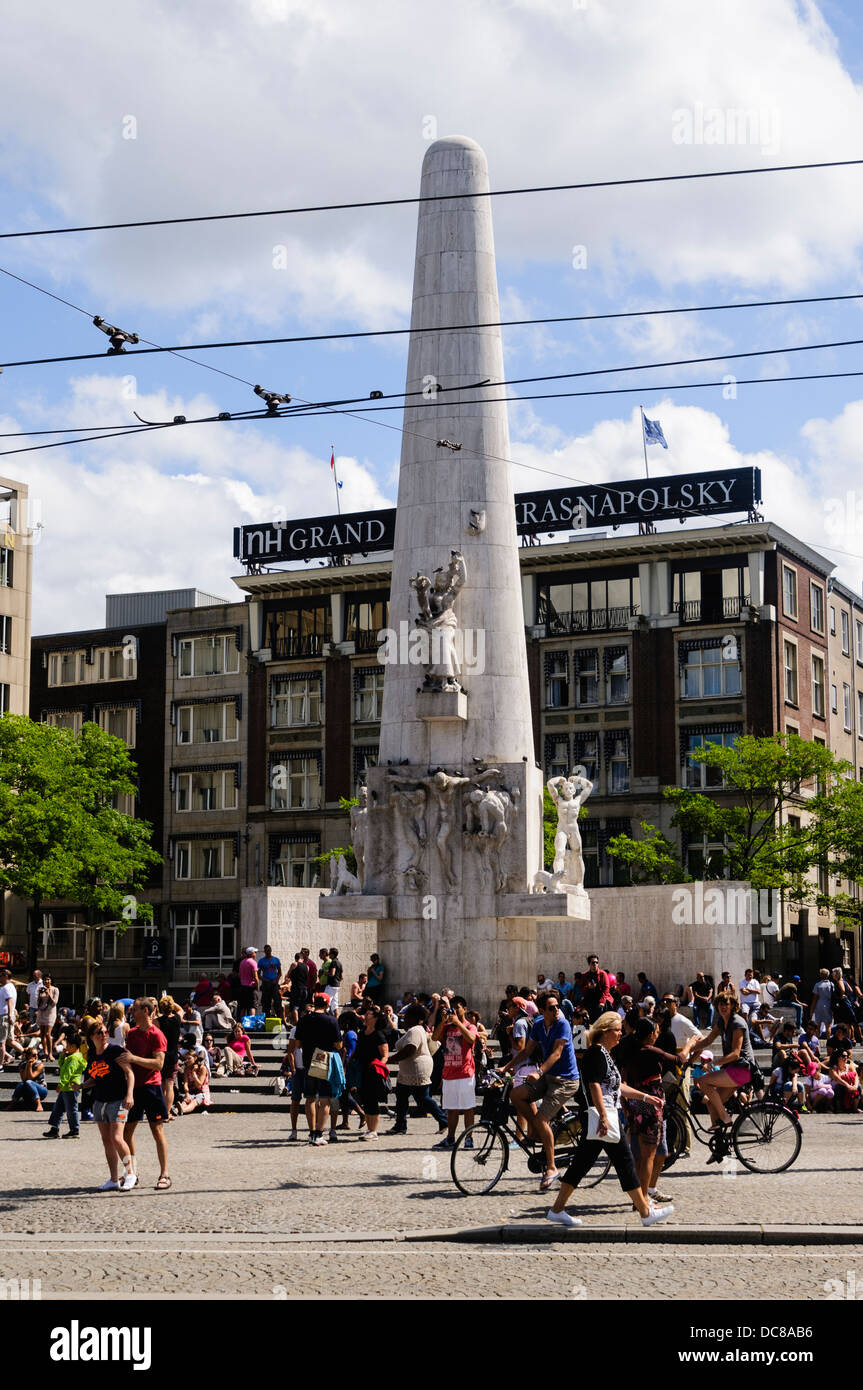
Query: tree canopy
(60, 834)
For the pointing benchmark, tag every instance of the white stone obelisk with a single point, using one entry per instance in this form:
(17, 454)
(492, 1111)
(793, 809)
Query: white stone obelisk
(453, 834)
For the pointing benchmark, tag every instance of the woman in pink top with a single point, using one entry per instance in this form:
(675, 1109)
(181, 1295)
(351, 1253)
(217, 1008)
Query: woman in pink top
(239, 1047)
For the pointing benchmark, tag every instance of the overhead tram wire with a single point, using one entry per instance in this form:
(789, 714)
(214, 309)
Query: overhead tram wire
(314, 408)
(435, 198)
(327, 410)
(152, 347)
(396, 332)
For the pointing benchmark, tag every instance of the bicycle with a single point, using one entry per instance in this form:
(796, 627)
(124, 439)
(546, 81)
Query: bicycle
(765, 1135)
(477, 1169)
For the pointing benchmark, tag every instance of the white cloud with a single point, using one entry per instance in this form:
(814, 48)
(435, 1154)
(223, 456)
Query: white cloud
(156, 511)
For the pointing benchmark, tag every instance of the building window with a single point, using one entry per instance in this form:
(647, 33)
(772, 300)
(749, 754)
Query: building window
(301, 630)
(617, 676)
(364, 619)
(5, 568)
(295, 782)
(207, 723)
(858, 633)
(706, 859)
(120, 722)
(709, 595)
(64, 719)
(587, 604)
(365, 756)
(618, 765)
(590, 853)
(860, 713)
(818, 686)
(205, 859)
(368, 694)
(845, 622)
(116, 663)
(295, 703)
(834, 700)
(292, 863)
(124, 802)
(586, 676)
(790, 672)
(789, 591)
(207, 791)
(832, 621)
(557, 680)
(816, 605)
(586, 756)
(697, 776)
(557, 756)
(62, 939)
(706, 672)
(846, 708)
(205, 939)
(4, 698)
(5, 635)
(208, 656)
(66, 668)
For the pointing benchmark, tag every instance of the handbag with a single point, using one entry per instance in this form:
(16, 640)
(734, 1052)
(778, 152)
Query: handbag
(319, 1067)
(613, 1121)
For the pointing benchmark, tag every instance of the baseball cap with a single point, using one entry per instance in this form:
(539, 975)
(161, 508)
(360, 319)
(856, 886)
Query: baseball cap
(518, 1001)
(705, 1056)
(251, 951)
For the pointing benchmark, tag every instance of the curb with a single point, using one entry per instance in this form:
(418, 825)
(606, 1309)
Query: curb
(637, 1235)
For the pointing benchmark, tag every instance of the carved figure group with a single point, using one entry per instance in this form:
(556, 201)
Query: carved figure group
(436, 618)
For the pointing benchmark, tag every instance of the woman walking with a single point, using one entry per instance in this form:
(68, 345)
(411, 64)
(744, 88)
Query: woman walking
(117, 1025)
(109, 1074)
(643, 1071)
(371, 1055)
(604, 1089)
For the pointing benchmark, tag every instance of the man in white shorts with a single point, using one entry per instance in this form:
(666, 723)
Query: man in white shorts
(8, 1005)
(459, 1069)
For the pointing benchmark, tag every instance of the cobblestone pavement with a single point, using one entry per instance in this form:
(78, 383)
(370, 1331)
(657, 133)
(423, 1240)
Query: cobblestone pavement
(442, 1271)
(237, 1175)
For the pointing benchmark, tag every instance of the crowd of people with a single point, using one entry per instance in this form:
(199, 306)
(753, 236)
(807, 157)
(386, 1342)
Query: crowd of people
(623, 1046)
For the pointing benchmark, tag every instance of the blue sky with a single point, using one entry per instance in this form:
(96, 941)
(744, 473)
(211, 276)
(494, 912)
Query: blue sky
(281, 102)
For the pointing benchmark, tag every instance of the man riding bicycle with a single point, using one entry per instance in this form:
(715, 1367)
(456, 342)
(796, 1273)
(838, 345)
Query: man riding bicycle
(554, 1082)
(736, 1064)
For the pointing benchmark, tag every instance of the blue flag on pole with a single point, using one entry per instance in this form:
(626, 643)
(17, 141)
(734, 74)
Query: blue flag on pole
(653, 432)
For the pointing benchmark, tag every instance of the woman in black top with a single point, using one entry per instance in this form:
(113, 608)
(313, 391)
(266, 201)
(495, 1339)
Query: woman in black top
(170, 1021)
(643, 1070)
(604, 1088)
(110, 1080)
(735, 1065)
(371, 1048)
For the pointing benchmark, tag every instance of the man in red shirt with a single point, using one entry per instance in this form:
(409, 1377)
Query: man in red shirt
(147, 1046)
(595, 989)
(306, 954)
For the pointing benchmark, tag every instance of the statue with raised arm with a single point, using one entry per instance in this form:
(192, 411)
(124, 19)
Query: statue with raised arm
(569, 795)
(442, 787)
(438, 622)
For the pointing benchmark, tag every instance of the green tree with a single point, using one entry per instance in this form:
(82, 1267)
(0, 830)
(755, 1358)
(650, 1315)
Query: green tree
(60, 835)
(651, 859)
(323, 860)
(754, 780)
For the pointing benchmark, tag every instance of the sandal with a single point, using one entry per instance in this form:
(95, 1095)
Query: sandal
(163, 1184)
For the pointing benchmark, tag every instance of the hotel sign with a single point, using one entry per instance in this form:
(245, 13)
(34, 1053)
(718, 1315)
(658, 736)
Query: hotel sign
(579, 507)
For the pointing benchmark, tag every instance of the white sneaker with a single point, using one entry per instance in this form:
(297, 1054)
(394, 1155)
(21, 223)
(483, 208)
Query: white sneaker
(319, 1141)
(111, 1185)
(657, 1214)
(130, 1181)
(562, 1218)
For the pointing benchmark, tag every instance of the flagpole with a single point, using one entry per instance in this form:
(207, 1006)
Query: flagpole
(644, 441)
(335, 477)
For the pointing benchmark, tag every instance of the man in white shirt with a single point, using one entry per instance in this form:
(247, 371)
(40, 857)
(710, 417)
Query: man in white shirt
(686, 1036)
(750, 993)
(8, 1006)
(33, 989)
(769, 989)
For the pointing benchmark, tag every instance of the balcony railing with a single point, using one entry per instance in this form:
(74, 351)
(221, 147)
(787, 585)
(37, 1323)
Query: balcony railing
(591, 620)
(366, 640)
(299, 644)
(705, 611)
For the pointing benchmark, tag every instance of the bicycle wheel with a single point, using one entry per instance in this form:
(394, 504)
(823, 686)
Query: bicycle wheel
(597, 1171)
(476, 1170)
(766, 1137)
